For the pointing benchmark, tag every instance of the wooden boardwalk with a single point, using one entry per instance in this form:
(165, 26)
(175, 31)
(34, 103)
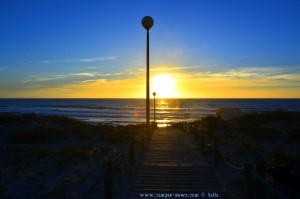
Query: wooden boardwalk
(172, 165)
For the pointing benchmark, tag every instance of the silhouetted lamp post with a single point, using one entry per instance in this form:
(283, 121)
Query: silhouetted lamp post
(154, 94)
(147, 23)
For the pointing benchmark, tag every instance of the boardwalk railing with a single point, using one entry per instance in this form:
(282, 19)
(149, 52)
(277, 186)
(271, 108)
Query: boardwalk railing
(107, 173)
(255, 184)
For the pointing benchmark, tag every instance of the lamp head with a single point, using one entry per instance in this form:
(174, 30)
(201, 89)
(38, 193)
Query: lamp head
(147, 22)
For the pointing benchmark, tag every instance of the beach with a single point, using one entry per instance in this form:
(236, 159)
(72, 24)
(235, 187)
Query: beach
(84, 86)
(60, 157)
(269, 138)
(54, 157)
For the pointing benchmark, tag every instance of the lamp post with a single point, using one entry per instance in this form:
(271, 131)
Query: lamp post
(147, 23)
(154, 94)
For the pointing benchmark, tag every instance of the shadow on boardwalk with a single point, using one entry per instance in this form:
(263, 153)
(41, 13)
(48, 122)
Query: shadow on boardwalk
(173, 168)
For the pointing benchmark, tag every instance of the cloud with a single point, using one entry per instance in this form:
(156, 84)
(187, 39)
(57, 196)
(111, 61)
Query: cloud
(4, 68)
(84, 60)
(97, 67)
(279, 73)
(242, 58)
(83, 74)
(89, 81)
(262, 70)
(94, 59)
(174, 68)
(72, 76)
(177, 68)
(56, 77)
(96, 88)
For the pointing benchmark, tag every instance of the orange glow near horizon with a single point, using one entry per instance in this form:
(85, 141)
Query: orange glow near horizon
(171, 82)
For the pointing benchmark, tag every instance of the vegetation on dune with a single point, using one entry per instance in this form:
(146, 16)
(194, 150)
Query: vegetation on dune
(273, 116)
(24, 119)
(54, 128)
(280, 157)
(293, 134)
(246, 148)
(271, 136)
(40, 134)
(259, 132)
(210, 124)
(62, 139)
(119, 134)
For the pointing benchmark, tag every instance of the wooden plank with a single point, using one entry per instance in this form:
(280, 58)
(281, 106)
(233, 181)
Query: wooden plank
(173, 165)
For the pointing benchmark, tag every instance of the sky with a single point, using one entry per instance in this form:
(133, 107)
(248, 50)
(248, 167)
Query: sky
(198, 48)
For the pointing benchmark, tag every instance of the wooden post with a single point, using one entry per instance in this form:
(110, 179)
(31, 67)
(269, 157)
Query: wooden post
(132, 152)
(108, 180)
(259, 188)
(248, 182)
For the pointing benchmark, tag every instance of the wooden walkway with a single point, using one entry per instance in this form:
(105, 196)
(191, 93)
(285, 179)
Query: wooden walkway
(172, 165)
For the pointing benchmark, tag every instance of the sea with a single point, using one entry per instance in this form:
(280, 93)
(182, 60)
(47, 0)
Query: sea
(133, 111)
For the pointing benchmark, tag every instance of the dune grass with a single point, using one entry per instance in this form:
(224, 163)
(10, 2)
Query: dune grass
(25, 119)
(259, 132)
(60, 140)
(280, 156)
(244, 147)
(37, 135)
(274, 116)
(293, 134)
(261, 135)
(53, 128)
(258, 126)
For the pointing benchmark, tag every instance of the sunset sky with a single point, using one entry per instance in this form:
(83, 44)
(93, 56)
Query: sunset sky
(198, 48)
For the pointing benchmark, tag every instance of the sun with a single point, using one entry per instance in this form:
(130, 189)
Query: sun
(164, 86)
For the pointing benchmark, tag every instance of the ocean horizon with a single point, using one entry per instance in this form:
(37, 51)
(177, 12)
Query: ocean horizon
(132, 110)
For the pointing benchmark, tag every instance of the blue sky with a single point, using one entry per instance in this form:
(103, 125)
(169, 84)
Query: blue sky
(49, 45)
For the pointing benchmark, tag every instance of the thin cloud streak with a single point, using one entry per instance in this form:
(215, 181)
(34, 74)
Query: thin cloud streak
(98, 67)
(94, 59)
(4, 68)
(172, 68)
(84, 60)
(249, 75)
(71, 76)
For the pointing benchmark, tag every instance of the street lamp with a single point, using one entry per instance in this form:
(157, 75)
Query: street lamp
(147, 23)
(154, 94)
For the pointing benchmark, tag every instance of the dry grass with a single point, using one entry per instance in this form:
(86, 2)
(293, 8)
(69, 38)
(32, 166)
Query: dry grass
(262, 134)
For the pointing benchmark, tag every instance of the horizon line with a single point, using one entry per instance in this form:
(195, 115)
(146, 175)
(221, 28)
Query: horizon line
(179, 98)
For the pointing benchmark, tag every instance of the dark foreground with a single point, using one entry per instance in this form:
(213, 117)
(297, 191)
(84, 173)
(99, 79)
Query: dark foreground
(53, 156)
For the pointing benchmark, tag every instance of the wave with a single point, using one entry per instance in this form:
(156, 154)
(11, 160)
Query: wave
(126, 111)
